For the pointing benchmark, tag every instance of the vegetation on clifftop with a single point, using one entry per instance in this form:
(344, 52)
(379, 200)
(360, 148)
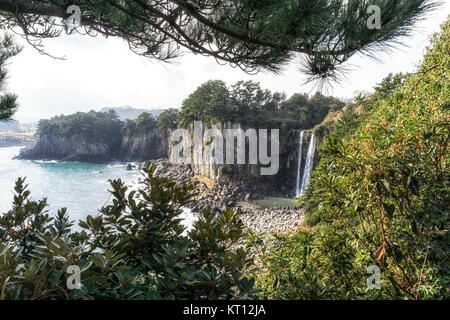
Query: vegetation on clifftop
(92, 126)
(247, 103)
(66, 137)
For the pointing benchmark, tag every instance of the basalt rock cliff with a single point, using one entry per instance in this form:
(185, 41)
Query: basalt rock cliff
(76, 148)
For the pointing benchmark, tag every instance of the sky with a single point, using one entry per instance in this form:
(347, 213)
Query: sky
(100, 72)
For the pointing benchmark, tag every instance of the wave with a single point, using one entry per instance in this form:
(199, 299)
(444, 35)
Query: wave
(45, 161)
(114, 166)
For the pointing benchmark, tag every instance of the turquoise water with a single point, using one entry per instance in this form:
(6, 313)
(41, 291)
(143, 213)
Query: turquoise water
(78, 186)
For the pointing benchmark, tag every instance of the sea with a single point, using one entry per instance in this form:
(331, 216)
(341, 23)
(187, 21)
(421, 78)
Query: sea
(80, 187)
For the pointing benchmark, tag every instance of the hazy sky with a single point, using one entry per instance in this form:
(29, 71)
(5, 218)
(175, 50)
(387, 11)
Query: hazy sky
(101, 72)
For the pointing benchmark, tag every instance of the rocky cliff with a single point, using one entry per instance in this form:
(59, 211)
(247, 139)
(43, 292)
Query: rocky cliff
(75, 148)
(208, 168)
(288, 153)
(66, 149)
(147, 147)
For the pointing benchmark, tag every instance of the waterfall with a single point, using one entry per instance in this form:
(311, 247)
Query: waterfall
(299, 163)
(309, 164)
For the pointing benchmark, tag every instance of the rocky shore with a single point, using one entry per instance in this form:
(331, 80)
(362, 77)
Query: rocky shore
(272, 220)
(234, 194)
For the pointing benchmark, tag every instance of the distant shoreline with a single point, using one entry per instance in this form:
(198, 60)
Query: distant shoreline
(16, 139)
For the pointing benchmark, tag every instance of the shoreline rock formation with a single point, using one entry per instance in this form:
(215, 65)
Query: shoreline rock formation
(234, 194)
(65, 149)
(136, 148)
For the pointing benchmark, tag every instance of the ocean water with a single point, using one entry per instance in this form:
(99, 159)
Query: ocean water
(80, 187)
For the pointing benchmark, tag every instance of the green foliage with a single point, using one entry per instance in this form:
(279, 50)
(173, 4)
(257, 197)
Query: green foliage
(167, 120)
(390, 84)
(100, 127)
(310, 111)
(136, 248)
(251, 35)
(252, 105)
(379, 196)
(208, 103)
(144, 124)
(247, 103)
(8, 101)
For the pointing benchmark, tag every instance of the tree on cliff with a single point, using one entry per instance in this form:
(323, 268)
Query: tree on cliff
(309, 110)
(167, 120)
(145, 122)
(92, 126)
(251, 35)
(8, 101)
(249, 99)
(250, 105)
(208, 103)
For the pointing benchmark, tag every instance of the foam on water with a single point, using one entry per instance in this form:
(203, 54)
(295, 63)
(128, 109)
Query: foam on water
(79, 186)
(74, 185)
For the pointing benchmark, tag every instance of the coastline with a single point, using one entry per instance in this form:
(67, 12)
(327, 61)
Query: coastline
(233, 195)
(214, 195)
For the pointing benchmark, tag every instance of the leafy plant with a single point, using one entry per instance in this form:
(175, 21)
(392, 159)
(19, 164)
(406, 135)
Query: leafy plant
(8, 101)
(136, 248)
(379, 196)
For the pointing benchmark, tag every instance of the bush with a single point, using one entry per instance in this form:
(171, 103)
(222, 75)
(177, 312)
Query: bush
(379, 196)
(136, 248)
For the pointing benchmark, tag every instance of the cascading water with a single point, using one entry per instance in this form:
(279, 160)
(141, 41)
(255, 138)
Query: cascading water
(299, 163)
(309, 164)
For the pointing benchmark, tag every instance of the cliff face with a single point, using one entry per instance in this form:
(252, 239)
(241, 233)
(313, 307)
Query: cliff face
(66, 149)
(138, 148)
(288, 153)
(208, 168)
(147, 147)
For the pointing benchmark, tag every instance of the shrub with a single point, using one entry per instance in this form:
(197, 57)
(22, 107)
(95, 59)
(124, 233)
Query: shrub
(136, 248)
(379, 196)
